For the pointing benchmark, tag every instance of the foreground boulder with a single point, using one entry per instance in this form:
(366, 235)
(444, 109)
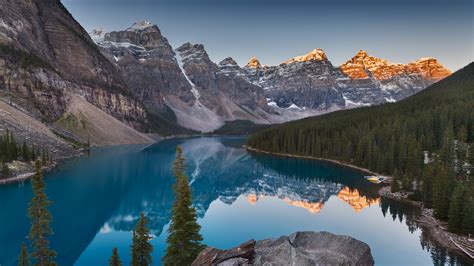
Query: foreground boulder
(300, 248)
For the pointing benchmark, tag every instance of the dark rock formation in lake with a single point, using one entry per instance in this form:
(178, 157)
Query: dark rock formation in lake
(300, 248)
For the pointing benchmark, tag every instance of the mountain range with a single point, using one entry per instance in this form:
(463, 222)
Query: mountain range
(132, 86)
(203, 94)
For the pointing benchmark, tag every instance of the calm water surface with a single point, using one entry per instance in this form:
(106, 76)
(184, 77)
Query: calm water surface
(238, 196)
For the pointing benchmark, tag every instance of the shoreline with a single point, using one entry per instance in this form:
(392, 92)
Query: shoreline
(435, 228)
(361, 169)
(21, 177)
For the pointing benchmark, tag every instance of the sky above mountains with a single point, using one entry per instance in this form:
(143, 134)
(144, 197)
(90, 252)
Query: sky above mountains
(275, 30)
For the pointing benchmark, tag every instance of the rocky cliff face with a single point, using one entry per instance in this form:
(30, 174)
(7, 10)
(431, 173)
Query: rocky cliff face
(201, 94)
(311, 81)
(46, 57)
(147, 64)
(305, 81)
(300, 248)
(225, 78)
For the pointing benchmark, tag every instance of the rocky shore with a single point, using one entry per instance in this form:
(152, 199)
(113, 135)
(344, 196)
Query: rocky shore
(300, 248)
(436, 229)
(22, 171)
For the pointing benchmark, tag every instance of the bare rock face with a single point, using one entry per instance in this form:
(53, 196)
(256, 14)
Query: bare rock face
(253, 63)
(241, 255)
(147, 63)
(308, 81)
(300, 248)
(46, 57)
(211, 79)
(183, 83)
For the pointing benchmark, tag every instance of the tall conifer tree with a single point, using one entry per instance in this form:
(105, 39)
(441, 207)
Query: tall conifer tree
(141, 246)
(23, 259)
(40, 219)
(115, 259)
(456, 209)
(184, 239)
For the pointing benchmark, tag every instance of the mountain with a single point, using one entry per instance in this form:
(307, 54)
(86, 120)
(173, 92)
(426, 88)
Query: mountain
(193, 92)
(311, 81)
(47, 60)
(184, 83)
(387, 138)
(85, 86)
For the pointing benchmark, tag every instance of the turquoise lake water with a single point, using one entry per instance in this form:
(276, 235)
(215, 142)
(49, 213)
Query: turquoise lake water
(238, 196)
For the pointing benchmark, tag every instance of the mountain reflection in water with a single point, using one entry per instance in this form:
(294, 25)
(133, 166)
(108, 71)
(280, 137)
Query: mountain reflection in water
(238, 195)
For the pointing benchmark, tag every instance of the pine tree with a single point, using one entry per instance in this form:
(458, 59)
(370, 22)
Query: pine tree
(40, 219)
(394, 186)
(427, 186)
(447, 148)
(5, 170)
(43, 158)
(33, 155)
(24, 152)
(184, 239)
(443, 184)
(468, 218)
(115, 259)
(141, 247)
(470, 156)
(23, 259)
(456, 209)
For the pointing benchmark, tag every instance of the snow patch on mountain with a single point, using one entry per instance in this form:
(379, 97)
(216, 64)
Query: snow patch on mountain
(195, 92)
(352, 104)
(97, 34)
(139, 26)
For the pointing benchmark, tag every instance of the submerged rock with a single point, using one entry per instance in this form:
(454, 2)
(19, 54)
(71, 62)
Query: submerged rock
(300, 248)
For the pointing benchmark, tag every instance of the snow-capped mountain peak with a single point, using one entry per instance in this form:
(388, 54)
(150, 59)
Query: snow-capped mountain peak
(97, 34)
(361, 54)
(254, 63)
(315, 55)
(141, 25)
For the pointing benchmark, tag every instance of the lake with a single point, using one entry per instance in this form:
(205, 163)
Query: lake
(238, 196)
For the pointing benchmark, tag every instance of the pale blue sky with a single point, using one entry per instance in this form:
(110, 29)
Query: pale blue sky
(274, 31)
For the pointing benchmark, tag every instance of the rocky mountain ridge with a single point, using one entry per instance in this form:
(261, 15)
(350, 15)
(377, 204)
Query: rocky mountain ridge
(196, 92)
(208, 94)
(311, 81)
(50, 69)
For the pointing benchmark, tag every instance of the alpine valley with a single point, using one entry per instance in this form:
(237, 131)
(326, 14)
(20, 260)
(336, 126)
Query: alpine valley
(146, 144)
(60, 85)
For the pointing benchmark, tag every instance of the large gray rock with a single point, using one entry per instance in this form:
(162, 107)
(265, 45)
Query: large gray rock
(300, 248)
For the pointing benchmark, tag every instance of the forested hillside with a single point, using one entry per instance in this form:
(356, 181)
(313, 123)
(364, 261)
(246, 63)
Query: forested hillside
(391, 139)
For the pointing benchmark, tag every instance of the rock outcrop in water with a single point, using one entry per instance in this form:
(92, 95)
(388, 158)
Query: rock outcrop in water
(300, 248)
